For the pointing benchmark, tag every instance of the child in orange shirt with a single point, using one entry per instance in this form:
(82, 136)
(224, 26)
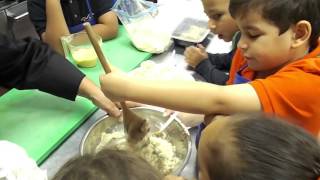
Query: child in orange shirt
(275, 70)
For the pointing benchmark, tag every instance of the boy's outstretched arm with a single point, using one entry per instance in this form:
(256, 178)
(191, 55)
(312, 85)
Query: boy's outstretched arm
(193, 97)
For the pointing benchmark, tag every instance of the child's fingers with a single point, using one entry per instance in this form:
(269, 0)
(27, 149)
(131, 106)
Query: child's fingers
(190, 48)
(189, 51)
(186, 51)
(201, 47)
(194, 50)
(186, 54)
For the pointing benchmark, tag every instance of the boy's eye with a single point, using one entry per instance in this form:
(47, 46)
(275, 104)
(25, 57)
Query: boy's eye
(253, 35)
(216, 16)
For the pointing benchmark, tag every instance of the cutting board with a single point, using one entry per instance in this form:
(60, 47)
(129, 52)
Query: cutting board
(40, 122)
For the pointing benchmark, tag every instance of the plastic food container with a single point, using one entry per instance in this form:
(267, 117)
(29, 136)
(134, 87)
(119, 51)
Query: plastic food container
(138, 18)
(81, 49)
(190, 31)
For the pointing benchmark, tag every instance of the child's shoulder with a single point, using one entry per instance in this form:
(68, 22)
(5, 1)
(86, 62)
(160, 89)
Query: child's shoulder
(309, 63)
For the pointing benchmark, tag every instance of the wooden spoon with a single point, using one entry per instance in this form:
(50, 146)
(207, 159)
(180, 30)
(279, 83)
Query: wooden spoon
(136, 127)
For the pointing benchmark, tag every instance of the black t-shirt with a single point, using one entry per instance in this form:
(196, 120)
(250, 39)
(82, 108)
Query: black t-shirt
(73, 10)
(31, 64)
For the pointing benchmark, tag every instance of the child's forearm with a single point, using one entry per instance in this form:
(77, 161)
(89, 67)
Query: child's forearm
(193, 97)
(107, 26)
(56, 25)
(106, 32)
(187, 96)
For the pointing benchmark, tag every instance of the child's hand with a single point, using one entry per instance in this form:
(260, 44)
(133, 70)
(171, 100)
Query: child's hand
(114, 85)
(194, 55)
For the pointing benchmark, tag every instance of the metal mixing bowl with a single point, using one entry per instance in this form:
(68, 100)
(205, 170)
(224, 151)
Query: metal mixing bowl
(177, 134)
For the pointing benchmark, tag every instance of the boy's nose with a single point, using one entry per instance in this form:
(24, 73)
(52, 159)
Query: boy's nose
(212, 25)
(242, 44)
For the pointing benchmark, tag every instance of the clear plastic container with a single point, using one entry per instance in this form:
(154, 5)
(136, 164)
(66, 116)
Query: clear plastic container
(81, 49)
(191, 31)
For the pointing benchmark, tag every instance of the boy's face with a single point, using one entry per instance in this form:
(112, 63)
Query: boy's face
(262, 46)
(220, 20)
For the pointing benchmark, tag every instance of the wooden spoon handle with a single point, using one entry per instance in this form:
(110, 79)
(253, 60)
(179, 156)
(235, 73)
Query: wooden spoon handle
(97, 48)
(135, 126)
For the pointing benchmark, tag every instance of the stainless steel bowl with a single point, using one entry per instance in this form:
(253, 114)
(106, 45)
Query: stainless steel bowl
(176, 133)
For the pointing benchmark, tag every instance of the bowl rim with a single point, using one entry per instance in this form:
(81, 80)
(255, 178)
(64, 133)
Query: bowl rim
(185, 129)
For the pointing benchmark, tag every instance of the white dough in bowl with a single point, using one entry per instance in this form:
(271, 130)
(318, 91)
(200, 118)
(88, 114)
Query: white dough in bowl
(157, 150)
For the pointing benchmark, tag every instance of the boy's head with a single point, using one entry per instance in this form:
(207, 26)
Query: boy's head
(220, 20)
(255, 147)
(274, 32)
(108, 165)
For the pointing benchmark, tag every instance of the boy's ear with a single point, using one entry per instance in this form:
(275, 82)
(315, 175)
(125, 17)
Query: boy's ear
(301, 33)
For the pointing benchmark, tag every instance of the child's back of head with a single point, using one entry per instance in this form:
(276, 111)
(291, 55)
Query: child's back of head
(257, 148)
(108, 165)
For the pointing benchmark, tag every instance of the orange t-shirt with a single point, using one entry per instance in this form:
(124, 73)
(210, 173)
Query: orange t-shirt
(237, 63)
(292, 93)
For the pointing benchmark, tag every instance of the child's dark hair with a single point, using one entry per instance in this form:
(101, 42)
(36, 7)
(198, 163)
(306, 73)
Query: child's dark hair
(283, 13)
(269, 149)
(108, 165)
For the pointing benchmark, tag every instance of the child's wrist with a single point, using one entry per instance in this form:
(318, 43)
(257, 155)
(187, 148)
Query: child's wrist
(87, 89)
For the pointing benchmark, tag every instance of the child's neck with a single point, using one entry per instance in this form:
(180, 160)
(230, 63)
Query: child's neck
(264, 74)
(296, 55)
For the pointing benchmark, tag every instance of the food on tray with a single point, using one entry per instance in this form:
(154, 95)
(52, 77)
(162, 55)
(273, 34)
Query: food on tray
(193, 33)
(191, 30)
